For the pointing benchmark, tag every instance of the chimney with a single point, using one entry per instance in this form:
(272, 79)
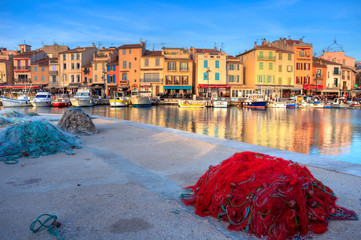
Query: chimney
(264, 42)
(255, 44)
(268, 44)
(301, 39)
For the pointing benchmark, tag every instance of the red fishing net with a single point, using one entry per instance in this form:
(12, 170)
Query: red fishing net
(266, 196)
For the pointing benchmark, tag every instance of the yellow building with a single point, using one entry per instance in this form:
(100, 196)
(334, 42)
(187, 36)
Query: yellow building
(210, 72)
(178, 71)
(151, 73)
(269, 70)
(235, 79)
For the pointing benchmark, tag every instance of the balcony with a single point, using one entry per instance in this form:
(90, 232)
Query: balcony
(319, 77)
(156, 80)
(266, 58)
(22, 80)
(22, 68)
(304, 56)
(53, 73)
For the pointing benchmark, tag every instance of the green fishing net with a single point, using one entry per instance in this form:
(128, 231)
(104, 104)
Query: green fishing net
(33, 139)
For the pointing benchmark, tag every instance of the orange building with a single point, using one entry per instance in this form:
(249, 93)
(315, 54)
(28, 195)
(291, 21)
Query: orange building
(40, 72)
(319, 72)
(129, 56)
(302, 60)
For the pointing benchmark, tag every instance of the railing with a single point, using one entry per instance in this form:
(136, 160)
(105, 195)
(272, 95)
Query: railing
(21, 68)
(123, 82)
(304, 56)
(22, 80)
(158, 80)
(266, 58)
(319, 77)
(53, 72)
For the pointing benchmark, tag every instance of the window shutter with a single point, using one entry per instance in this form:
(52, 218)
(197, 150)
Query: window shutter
(108, 68)
(107, 78)
(114, 79)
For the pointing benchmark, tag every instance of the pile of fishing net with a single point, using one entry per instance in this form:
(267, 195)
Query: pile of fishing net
(33, 139)
(265, 196)
(76, 121)
(10, 117)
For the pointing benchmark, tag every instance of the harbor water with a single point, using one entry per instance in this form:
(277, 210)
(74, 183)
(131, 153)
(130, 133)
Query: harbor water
(334, 133)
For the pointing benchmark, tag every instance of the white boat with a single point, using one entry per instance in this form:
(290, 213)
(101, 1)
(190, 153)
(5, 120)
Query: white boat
(139, 101)
(340, 103)
(21, 101)
(277, 104)
(220, 104)
(42, 99)
(120, 100)
(82, 98)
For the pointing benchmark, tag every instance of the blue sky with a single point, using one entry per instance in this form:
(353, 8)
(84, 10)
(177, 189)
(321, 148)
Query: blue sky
(235, 25)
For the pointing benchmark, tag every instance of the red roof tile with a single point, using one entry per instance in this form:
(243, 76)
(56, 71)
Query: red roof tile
(126, 46)
(204, 50)
(76, 50)
(152, 53)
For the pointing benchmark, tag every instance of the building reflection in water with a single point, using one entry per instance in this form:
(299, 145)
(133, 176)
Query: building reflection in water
(322, 132)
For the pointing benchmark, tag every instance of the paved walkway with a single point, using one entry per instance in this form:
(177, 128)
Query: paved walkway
(126, 180)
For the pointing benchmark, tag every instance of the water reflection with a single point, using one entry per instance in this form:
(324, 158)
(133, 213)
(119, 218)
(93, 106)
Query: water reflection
(322, 132)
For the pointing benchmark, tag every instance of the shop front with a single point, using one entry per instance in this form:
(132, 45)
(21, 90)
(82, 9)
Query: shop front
(177, 90)
(206, 90)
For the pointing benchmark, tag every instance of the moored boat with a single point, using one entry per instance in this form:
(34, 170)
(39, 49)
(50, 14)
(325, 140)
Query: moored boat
(60, 102)
(42, 99)
(255, 101)
(21, 101)
(220, 104)
(277, 104)
(120, 100)
(139, 101)
(82, 98)
(340, 103)
(191, 104)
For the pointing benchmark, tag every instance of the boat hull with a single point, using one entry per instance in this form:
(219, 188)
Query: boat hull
(41, 104)
(119, 103)
(81, 102)
(342, 105)
(220, 104)
(9, 102)
(256, 105)
(140, 102)
(60, 104)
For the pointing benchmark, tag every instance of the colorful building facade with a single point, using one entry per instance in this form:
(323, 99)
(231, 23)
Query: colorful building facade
(113, 78)
(151, 73)
(235, 79)
(178, 71)
(129, 56)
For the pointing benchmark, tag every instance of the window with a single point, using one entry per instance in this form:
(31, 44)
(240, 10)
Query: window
(261, 54)
(157, 62)
(289, 56)
(217, 64)
(270, 55)
(130, 51)
(129, 65)
(289, 68)
(269, 79)
(205, 64)
(36, 78)
(205, 76)
(72, 66)
(298, 80)
(176, 80)
(260, 78)
(96, 78)
(184, 66)
(103, 66)
(72, 56)
(233, 78)
(72, 78)
(95, 66)
(64, 65)
(336, 71)
(280, 68)
(216, 76)
(124, 51)
(185, 80)
(78, 78)
(151, 77)
(279, 81)
(146, 62)
(135, 59)
(302, 53)
(124, 64)
(78, 66)
(64, 57)
(171, 66)
(261, 66)
(124, 76)
(168, 79)
(270, 66)
(35, 68)
(43, 69)
(78, 56)
(65, 78)
(280, 56)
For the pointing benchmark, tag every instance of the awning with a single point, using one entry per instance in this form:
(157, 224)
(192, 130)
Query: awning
(313, 87)
(21, 87)
(178, 87)
(213, 86)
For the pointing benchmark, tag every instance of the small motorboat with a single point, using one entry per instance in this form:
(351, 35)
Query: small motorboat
(120, 100)
(42, 99)
(61, 102)
(21, 101)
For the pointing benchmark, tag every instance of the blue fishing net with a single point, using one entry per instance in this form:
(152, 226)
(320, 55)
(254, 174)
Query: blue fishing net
(34, 139)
